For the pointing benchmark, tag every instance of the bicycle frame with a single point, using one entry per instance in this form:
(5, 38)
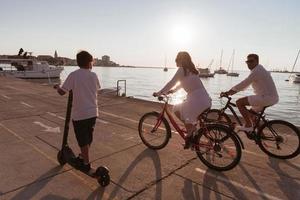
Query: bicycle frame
(259, 116)
(230, 106)
(182, 132)
(165, 110)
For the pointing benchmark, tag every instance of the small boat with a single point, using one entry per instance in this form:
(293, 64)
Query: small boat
(30, 68)
(295, 78)
(165, 68)
(205, 73)
(234, 74)
(221, 71)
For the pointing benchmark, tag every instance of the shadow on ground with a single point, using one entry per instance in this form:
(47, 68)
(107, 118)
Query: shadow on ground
(147, 153)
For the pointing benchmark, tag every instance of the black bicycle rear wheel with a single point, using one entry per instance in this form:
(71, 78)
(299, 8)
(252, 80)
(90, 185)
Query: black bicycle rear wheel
(279, 139)
(217, 147)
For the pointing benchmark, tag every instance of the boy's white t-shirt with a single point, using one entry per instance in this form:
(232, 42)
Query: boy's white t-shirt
(84, 85)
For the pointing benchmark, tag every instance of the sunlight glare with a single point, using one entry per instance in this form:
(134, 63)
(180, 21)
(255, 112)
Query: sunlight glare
(182, 34)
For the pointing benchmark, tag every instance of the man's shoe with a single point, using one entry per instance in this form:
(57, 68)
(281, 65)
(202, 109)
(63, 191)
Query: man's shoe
(188, 141)
(243, 128)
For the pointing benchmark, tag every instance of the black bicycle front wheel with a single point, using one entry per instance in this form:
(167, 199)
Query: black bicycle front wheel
(153, 133)
(279, 139)
(217, 147)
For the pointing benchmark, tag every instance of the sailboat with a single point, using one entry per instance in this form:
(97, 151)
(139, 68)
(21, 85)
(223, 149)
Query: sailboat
(295, 77)
(231, 62)
(221, 70)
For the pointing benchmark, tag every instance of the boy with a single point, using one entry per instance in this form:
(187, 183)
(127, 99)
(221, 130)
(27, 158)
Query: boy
(264, 89)
(84, 85)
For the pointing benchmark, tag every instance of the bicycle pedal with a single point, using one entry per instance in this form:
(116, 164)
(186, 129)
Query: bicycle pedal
(251, 136)
(193, 148)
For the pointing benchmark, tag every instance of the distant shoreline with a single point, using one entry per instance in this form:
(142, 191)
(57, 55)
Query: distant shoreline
(123, 67)
(283, 72)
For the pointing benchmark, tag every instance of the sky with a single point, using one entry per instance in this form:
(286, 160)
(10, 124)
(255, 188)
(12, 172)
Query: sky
(146, 33)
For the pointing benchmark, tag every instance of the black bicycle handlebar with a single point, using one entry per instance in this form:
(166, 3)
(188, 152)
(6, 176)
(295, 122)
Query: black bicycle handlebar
(224, 95)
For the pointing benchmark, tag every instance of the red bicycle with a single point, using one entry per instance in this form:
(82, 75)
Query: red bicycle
(215, 144)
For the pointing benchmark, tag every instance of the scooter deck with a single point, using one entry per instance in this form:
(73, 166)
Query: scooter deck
(71, 160)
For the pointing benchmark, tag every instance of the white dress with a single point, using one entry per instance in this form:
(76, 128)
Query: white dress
(198, 99)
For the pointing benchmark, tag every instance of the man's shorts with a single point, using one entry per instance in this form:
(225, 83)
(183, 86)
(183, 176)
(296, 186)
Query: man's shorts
(258, 102)
(84, 131)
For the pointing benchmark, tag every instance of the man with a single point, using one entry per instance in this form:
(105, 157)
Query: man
(265, 93)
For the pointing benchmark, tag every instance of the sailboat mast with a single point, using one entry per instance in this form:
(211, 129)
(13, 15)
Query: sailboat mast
(210, 64)
(296, 60)
(221, 59)
(233, 54)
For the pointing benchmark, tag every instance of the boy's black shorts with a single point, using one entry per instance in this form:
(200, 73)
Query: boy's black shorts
(84, 131)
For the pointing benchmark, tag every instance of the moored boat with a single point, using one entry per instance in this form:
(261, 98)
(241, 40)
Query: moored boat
(29, 68)
(295, 78)
(205, 73)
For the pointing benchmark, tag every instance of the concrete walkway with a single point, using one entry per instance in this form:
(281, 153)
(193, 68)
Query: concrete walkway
(31, 127)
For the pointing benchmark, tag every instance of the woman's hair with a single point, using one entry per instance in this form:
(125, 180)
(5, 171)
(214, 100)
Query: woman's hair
(185, 60)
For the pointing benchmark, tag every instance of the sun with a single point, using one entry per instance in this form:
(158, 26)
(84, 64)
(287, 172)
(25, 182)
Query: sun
(182, 34)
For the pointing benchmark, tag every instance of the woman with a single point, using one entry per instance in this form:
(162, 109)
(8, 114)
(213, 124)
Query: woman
(197, 100)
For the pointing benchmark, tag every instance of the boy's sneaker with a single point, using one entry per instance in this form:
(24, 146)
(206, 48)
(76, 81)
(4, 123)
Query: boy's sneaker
(80, 165)
(85, 167)
(78, 161)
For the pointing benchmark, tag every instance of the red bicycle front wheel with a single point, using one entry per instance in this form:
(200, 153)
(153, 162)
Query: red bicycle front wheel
(154, 132)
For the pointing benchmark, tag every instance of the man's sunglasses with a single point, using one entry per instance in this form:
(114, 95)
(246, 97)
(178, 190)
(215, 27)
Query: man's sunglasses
(250, 61)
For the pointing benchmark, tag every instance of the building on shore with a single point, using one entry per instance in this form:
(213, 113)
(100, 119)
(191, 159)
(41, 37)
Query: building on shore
(64, 61)
(106, 58)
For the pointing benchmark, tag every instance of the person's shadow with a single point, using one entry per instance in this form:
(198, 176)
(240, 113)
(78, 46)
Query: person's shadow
(34, 187)
(210, 180)
(56, 197)
(96, 194)
(287, 184)
(190, 191)
(147, 153)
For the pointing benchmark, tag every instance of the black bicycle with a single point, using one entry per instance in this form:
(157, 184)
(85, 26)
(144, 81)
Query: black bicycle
(277, 138)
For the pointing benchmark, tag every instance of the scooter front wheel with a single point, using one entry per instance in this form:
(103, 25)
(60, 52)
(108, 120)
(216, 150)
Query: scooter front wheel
(103, 176)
